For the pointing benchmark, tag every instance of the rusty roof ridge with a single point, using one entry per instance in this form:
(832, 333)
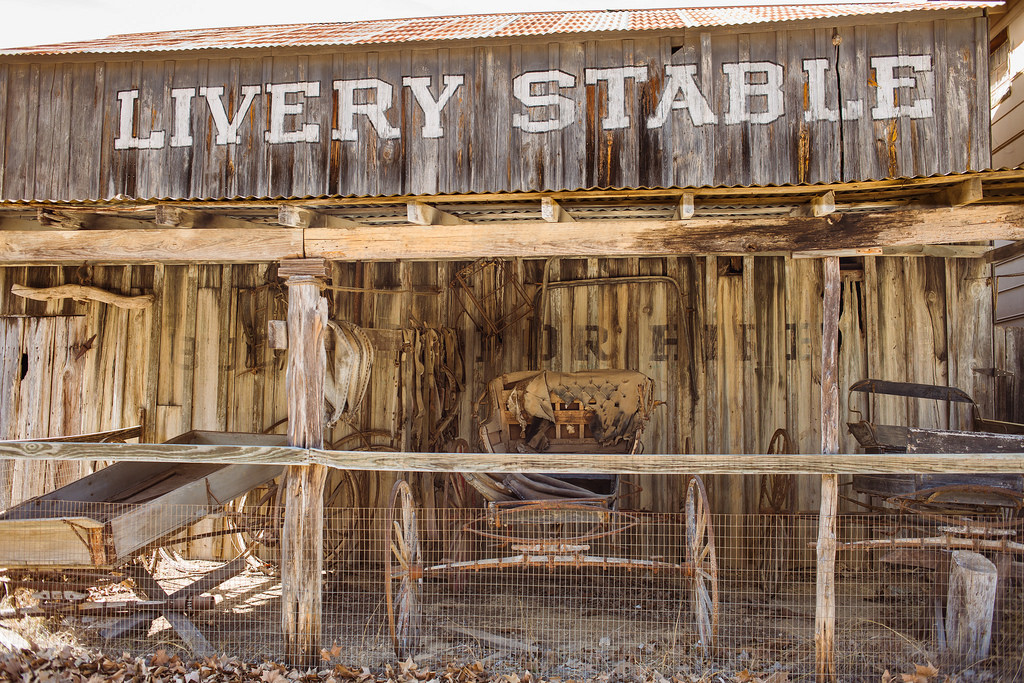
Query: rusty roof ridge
(389, 31)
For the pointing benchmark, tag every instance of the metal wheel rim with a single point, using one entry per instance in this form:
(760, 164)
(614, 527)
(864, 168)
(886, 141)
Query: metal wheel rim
(700, 555)
(402, 570)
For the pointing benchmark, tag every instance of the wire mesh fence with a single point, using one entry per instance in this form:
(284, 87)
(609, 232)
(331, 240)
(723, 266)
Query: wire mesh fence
(572, 592)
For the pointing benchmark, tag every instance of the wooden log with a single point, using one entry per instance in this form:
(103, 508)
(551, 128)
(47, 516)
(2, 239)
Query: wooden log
(613, 237)
(82, 293)
(169, 245)
(302, 551)
(825, 595)
(970, 606)
(555, 463)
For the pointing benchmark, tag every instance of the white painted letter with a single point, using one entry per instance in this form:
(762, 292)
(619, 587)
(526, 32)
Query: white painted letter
(888, 82)
(227, 131)
(741, 90)
(420, 86)
(125, 137)
(374, 111)
(616, 79)
(522, 88)
(279, 108)
(182, 116)
(682, 78)
(817, 110)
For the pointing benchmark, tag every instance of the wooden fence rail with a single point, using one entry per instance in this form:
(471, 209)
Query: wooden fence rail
(552, 463)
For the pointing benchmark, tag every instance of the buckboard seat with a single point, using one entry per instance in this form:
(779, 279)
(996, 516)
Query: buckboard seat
(592, 411)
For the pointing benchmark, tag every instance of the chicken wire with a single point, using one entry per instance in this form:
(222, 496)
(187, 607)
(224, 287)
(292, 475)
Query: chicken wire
(631, 604)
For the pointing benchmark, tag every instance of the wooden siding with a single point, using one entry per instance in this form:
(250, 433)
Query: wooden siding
(58, 134)
(734, 350)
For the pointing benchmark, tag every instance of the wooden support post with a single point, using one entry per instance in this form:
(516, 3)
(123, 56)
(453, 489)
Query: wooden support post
(819, 206)
(552, 211)
(825, 603)
(298, 217)
(970, 606)
(684, 210)
(302, 549)
(419, 213)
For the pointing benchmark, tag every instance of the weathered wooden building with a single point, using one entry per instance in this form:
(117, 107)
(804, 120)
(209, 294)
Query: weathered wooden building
(669, 191)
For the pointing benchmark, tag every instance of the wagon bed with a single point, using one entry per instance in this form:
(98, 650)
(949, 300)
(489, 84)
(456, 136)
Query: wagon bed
(106, 518)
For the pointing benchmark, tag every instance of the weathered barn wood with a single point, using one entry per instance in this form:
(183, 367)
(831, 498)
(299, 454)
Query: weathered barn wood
(558, 463)
(235, 381)
(654, 109)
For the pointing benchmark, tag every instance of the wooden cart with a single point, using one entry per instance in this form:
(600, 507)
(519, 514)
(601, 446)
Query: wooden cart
(101, 523)
(551, 520)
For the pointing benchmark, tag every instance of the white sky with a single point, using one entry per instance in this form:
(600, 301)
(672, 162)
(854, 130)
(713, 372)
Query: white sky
(36, 22)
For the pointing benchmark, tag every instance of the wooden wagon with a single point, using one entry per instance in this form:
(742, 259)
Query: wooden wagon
(979, 489)
(96, 526)
(551, 520)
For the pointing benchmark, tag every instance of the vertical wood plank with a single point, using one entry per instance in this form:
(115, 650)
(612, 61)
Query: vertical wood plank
(825, 602)
(302, 534)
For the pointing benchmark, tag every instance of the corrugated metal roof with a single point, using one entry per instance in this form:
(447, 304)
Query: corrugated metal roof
(479, 26)
(992, 177)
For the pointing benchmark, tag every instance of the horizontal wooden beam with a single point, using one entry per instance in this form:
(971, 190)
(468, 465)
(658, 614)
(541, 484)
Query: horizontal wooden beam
(77, 219)
(298, 217)
(161, 452)
(990, 463)
(937, 250)
(177, 217)
(82, 293)
(784, 234)
(160, 245)
(419, 213)
(1005, 252)
(963, 193)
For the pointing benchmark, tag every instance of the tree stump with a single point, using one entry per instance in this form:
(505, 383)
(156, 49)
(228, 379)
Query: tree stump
(970, 606)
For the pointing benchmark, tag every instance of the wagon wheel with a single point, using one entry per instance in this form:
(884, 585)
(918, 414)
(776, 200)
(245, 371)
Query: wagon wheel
(403, 570)
(775, 502)
(258, 522)
(700, 555)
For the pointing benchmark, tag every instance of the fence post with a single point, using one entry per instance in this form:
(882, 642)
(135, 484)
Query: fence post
(302, 551)
(825, 602)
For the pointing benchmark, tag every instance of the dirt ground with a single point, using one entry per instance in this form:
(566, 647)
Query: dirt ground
(556, 625)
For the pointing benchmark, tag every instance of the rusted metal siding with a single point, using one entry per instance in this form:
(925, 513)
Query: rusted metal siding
(62, 121)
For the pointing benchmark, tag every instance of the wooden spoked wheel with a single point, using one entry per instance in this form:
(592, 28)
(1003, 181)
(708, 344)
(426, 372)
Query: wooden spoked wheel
(403, 571)
(703, 563)
(258, 519)
(775, 502)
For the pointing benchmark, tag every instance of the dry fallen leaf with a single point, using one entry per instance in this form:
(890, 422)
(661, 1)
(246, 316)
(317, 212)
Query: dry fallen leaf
(922, 674)
(778, 677)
